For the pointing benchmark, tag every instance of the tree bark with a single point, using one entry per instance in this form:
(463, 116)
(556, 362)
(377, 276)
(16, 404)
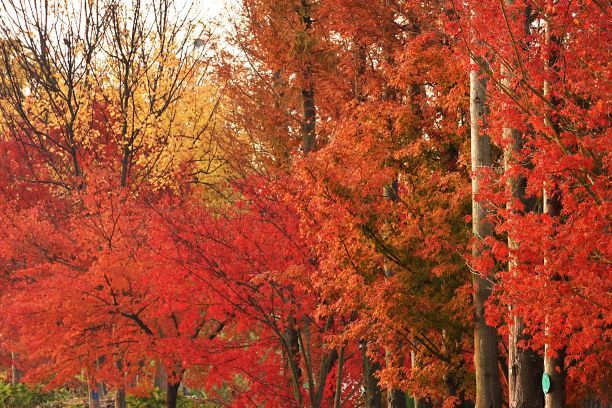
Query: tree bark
(292, 351)
(371, 390)
(396, 399)
(327, 362)
(160, 381)
(16, 373)
(338, 394)
(524, 365)
(120, 399)
(418, 402)
(308, 92)
(553, 366)
(592, 402)
(488, 384)
(172, 394)
(524, 371)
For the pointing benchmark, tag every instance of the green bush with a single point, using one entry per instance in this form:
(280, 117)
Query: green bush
(22, 396)
(157, 399)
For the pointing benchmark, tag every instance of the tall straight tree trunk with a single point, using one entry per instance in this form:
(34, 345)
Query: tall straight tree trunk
(172, 394)
(338, 393)
(308, 126)
(554, 366)
(291, 334)
(525, 371)
(120, 401)
(488, 384)
(418, 402)
(524, 365)
(372, 393)
(396, 398)
(15, 372)
(371, 390)
(308, 93)
(160, 381)
(292, 350)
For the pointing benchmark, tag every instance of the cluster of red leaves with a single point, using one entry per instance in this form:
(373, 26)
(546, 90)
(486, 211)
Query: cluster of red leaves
(557, 97)
(359, 247)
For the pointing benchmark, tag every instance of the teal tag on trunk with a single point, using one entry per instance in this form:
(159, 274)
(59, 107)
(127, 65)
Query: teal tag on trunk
(545, 383)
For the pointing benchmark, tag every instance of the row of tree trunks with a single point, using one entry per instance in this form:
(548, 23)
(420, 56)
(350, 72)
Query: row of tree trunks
(525, 366)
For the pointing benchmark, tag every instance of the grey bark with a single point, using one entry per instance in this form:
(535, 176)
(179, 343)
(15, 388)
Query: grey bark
(160, 380)
(372, 391)
(338, 394)
(418, 402)
(396, 399)
(16, 373)
(553, 366)
(120, 401)
(488, 384)
(524, 365)
(524, 371)
(308, 92)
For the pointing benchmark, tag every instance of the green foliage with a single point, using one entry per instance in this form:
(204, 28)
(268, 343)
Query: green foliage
(21, 396)
(157, 399)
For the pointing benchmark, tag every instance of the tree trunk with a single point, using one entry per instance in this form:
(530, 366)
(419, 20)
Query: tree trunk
(524, 371)
(524, 365)
(488, 384)
(371, 390)
(292, 351)
(592, 402)
(396, 399)
(555, 368)
(327, 362)
(308, 93)
(172, 394)
(452, 386)
(418, 402)
(338, 394)
(161, 377)
(16, 373)
(308, 126)
(120, 399)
